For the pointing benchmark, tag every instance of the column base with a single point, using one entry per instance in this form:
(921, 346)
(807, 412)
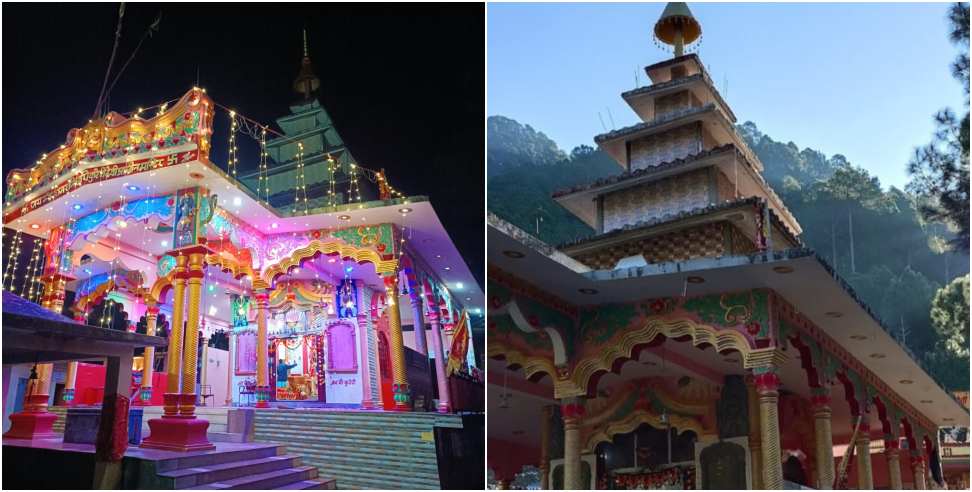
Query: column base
(443, 408)
(368, 405)
(31, 425)
(178, 434)
(68, 397)
(262, 397)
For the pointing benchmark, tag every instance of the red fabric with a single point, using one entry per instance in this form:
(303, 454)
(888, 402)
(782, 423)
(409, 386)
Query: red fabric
(113, 440)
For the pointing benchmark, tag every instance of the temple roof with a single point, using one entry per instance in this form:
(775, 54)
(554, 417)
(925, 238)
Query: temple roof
(662, 86)
(684, 215)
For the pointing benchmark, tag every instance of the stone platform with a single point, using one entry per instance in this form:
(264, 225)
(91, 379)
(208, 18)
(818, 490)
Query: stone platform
(230, 465)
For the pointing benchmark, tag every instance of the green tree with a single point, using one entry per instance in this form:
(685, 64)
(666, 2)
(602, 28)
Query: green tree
(950, 317)
(940, 169)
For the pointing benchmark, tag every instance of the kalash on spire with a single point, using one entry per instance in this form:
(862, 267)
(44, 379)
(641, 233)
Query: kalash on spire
(306, 82)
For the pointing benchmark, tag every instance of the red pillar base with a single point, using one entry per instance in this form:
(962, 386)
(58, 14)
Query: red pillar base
(31, 425)
(402, 407)
(178, 434)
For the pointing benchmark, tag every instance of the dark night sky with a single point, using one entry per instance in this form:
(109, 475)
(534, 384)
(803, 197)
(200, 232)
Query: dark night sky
(404, 85)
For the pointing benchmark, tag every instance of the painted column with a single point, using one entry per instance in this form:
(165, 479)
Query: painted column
(418, 322)
(545, 426)
(364, 326)
(440, 376)
(892, 453)
(151, 317)
(203, 377)
(187, 406)
(823, 437)
(397, 346)
(755, 442)
(69, 382)
(174, 352)
(263, 386)
(573, 412)
(230, 366)
(865, 477)
(918, 470)
(767, 385)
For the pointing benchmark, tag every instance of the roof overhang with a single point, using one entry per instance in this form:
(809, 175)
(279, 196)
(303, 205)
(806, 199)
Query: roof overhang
(812, 288)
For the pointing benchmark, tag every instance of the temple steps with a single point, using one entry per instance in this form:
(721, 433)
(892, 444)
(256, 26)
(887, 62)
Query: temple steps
(360, 449)
(61, 412)
(254, 467)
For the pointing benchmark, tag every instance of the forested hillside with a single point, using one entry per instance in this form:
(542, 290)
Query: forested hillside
(874, 237)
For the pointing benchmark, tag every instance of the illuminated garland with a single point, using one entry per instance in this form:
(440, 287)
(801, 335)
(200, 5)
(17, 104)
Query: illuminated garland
(300, 186)
(354, 191)
(232, 159)
(332, 183)
(27, 288)
(263, 182)
(12, 259)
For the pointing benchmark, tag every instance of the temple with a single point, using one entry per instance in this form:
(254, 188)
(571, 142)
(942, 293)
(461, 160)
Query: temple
(308, 289)
(693, 341)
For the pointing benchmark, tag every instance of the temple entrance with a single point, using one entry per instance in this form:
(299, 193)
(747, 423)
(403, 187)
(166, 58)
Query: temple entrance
(386, 380)
(298, 368)
(648, 458)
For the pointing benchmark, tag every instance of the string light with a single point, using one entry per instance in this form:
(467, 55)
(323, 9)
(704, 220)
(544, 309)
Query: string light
(300, 185)
(13, 259)
(263, 183)
(232, 159)
(27, 288)
(354, 191)
(332, 181)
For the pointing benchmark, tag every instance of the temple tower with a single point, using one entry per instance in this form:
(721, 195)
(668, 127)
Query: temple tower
(310, 125)
(690, 187)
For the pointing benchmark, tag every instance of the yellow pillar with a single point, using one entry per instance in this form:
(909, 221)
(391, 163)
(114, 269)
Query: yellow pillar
(573, 413)
(824, 442)
(174, 354)
(187, 404)
(755, 443)
(399, 374)
(151, 317)
(38, 393)
(263, 388)
(767, 385)
(892, 453)
(545, 447)
(865, 476)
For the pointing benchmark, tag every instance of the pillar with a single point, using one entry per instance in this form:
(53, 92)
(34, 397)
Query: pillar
(173, 356)
(823, 440)
(230, 365)
(440, 376)
(178, 429)
(865, 477)
(545, 426)
(573, 412)
(418, 322)
(364, 326)
(893, 455)
(755, 442)
(203, 376)
(263, 385)
(118, 380)
(151, 317)
(918, 470)
(34, 421)
(767, 385)
(397, 346)
(70, 378)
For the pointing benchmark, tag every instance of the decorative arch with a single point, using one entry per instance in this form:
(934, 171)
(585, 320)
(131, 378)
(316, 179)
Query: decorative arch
(534, 368)
(852, 391)
(158, 290)
(585, 373)
(556, 340)
(317, 247)
(634, 419)
(228, 264)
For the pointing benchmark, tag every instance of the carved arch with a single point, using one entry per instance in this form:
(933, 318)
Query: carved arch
(634, 419)
(534, 368)
(317, 247)
(585, 373)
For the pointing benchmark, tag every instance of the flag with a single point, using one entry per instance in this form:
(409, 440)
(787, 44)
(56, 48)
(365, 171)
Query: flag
(460, 345)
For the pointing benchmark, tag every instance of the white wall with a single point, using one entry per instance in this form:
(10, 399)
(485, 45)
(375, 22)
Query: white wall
(216, 369)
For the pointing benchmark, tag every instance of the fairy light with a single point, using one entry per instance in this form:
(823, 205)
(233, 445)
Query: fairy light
(263, 184)
(300, 185)
(36, 282)
(332, 183)
(354, 190)
(13, 259)
(232, 159)
(27, 288)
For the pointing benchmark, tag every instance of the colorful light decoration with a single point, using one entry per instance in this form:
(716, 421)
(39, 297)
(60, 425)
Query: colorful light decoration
(232, 158)
(300, 185)
(332, 182)
(263, 182)
(12, 259)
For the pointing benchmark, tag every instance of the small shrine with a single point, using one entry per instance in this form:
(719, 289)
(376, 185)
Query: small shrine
(693, 341)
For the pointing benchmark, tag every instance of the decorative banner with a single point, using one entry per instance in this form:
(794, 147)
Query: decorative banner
(460, 345)
(103, 173)
(240, 307)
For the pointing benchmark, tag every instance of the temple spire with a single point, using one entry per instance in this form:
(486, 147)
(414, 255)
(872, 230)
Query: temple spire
(677, 27)
(306, 82)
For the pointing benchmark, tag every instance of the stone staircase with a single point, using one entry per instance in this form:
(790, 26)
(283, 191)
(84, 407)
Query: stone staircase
(61, 413)
(253, 467)
(361, 449)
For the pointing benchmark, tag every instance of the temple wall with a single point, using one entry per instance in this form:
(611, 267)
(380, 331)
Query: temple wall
(651, 150)
(708, 240)
(656, 200)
